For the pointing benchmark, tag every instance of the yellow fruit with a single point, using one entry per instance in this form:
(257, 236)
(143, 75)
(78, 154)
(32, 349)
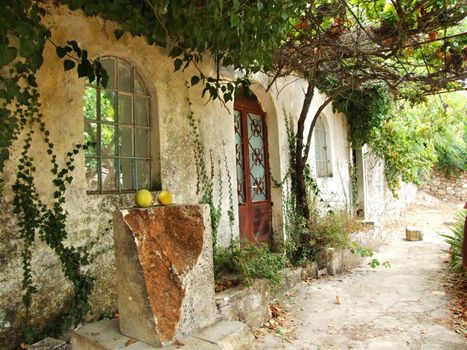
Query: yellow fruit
(143, 198)
(164, 198)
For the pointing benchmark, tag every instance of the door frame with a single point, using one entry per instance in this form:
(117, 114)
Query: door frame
(246, 104)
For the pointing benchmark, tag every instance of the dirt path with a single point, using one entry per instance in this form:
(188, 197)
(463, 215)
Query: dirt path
(401, 307)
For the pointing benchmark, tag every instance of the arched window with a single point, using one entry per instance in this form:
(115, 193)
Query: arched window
(118, 124)
(322, 150)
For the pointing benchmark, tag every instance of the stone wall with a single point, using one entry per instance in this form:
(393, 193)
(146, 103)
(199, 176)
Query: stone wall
(449, 188)
(380, 204)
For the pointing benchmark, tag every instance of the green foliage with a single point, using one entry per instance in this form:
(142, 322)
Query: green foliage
(409, 138)
(454, 239)
(366, 109)
(48, 221)
(451, 153)
(242, 34)
(205, 184)
(249, 261)
(22, 41)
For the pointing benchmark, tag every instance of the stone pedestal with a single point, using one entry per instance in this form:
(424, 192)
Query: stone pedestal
(164, 272)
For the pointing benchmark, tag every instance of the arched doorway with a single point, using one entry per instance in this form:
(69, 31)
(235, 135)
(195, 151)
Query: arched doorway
(253, 178)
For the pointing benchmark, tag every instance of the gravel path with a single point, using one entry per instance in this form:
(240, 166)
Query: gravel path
(401, 307)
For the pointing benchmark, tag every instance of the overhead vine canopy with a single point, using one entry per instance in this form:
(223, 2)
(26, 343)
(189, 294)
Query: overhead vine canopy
(342, 44)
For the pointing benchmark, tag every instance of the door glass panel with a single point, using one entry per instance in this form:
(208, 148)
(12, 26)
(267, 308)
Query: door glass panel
(141, 111)
(126, 174)
(143, 173)
(108, 139)
(125, 142)
(89, 103)
(109, 65)
(125, 77)
(108, 174)
(90, 138)
(139, 85)
(108, 105)
(124, 109)
(256, 157)
(92, 176)
(142, 142)
(239, 156)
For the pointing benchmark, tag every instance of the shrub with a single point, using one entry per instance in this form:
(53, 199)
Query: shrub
(454, 239)
(451, 153)
(307, 238)
(250, 261)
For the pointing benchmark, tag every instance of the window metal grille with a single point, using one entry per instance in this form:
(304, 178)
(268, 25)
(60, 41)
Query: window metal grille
(117, 122)
(322, 154)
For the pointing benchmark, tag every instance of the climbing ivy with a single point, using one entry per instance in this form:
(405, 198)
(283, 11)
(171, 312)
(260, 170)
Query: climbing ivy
(22, 41)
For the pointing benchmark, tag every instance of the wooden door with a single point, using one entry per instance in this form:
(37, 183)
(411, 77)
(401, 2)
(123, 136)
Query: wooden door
(253, 183)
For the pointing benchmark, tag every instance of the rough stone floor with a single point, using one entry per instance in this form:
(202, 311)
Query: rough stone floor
(401, 307)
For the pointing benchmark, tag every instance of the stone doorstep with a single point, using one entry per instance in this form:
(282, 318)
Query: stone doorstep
(222, 335)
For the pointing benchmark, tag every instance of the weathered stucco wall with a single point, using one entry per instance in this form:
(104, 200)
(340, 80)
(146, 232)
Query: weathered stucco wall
(89, 220)
(335, 189)
(380, 203)
(452, 188)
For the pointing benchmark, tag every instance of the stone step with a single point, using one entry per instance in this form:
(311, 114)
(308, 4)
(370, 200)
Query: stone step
(228, 335)
(222, 335)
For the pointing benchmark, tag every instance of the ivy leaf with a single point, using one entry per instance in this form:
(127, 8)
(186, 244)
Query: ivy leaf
(75, 47)
(36, 60)
(178, 64)
(62, 51)
(175, 52)
(118, 33)
(68, 64)
(26, 47)
(195, 80)
(8, 55)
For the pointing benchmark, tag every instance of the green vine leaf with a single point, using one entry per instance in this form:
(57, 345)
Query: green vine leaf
(68, 64)
(8, 55)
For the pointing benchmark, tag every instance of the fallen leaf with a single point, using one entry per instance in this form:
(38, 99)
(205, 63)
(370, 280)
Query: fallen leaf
(130, 341)
(178, 343)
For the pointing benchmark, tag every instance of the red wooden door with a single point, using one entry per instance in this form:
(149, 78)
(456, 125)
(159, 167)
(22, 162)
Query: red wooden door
(253, 183)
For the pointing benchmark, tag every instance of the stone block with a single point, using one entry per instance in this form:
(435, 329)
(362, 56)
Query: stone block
(105, 335)
(413, 233)
(334, 261)
(164, 272)
(246, 304)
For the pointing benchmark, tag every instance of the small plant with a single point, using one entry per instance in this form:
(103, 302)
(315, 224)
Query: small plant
(249, 261)
(454, 239)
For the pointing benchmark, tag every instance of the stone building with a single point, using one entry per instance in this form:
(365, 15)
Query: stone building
(144, 140)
